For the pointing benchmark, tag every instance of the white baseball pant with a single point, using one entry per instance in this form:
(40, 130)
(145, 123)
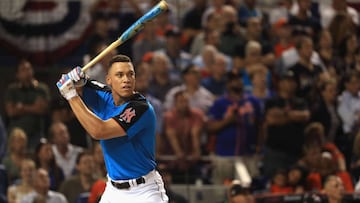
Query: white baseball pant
(152, 191)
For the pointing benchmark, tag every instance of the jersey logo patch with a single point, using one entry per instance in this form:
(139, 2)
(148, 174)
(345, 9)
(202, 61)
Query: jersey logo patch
(128, 114)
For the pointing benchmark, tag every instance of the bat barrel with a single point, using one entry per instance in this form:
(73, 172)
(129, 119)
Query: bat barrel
(139, 24)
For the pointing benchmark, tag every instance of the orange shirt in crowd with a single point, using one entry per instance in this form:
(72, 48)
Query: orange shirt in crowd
(275, 189)
(97, 190)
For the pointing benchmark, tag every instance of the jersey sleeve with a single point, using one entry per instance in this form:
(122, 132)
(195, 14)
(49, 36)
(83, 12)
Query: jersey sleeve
(129, 118)
(95, 95)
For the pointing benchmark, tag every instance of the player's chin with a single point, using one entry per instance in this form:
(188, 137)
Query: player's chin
(126, 93)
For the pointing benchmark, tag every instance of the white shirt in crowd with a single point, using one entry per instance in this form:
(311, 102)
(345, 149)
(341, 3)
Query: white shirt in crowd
(349, 110)
(52, 197)
(68, 162)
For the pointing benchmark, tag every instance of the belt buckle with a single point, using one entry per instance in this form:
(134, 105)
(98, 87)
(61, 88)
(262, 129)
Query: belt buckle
(127, 185)
(121, 186)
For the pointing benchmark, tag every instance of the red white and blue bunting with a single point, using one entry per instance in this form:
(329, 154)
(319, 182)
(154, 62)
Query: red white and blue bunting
(43, 30)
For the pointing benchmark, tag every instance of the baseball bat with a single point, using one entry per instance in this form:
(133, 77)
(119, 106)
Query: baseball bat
(130, 32)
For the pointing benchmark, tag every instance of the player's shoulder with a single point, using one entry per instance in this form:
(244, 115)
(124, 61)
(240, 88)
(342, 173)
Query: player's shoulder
(136, 107)
(138, 101)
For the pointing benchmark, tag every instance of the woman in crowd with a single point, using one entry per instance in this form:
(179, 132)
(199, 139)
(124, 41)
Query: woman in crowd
(16, 153)
(17, 192)
(44, 158)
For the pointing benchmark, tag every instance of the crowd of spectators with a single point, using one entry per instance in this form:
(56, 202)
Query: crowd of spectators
(277, 89)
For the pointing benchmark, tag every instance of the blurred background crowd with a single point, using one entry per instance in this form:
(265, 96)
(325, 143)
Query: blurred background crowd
(258, 97)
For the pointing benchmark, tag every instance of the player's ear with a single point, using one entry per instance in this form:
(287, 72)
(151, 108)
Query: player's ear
(108, 80)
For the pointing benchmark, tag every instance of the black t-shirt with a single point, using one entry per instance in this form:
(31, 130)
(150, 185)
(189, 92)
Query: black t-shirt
(287, 138)
(310, 26)
(192, 19)
(305, 79)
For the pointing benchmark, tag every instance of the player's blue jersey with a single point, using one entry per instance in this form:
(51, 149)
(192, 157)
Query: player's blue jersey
(130, 156)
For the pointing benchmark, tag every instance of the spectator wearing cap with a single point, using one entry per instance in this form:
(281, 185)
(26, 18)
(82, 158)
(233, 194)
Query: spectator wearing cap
(179, 59)
(285, 120)
(283, 37)
(191, 23)
(248, 9)
(303, 21)
(199, 96)
(238, 193)
(233, 121)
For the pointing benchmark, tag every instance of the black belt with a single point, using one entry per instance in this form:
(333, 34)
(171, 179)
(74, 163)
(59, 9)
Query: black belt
(126, 185)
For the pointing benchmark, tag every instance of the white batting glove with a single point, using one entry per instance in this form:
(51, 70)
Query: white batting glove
(78, 76)
(66, 87)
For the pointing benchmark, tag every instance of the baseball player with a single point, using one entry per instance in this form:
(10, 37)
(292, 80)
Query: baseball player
(124, 122)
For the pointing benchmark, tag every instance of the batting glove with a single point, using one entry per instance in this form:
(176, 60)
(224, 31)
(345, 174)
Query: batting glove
(78, 76)
(66, 87)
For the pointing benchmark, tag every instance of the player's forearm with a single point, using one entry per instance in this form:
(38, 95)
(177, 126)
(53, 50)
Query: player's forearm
(88, 120)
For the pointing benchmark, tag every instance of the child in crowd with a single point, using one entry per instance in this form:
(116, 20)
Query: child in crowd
(279, 183)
